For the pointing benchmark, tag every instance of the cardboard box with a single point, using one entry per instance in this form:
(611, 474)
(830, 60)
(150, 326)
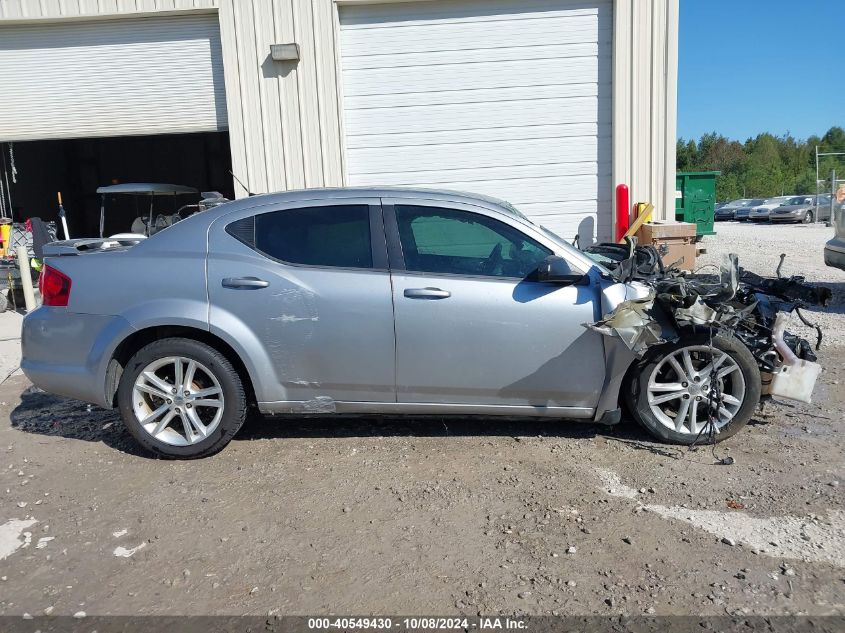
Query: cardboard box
(675, 241)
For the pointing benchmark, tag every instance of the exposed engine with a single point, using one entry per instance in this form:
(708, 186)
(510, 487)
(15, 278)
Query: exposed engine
(731, 300)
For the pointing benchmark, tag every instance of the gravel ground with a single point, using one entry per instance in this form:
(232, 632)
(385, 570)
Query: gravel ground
(445, 516)
(759, 247)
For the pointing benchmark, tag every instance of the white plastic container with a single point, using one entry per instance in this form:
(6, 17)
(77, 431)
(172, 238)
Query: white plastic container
(796, 378)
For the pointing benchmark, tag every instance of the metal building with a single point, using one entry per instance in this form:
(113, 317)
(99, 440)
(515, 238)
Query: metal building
(546, 103)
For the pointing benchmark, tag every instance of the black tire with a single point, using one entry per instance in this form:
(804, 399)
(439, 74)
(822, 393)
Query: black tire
(234, 395)
(808, 218)
(636, 392)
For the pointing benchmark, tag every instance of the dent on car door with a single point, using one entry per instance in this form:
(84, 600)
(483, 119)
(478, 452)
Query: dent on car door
(307, 288)
(471, 325)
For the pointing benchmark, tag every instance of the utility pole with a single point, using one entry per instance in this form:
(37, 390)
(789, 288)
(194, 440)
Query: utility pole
(817, 179)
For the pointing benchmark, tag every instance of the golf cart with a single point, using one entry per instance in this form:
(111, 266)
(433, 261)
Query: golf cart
(144, 226)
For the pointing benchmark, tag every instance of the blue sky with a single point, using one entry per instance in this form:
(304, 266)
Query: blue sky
(751, 66)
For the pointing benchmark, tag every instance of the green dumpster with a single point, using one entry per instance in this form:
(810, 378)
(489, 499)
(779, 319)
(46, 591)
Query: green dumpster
(695, 199)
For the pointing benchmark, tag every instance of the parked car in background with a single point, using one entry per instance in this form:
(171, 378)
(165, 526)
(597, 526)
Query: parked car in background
(823, 207)
(760, 213)
(728, 211)
(742, 212)
(796, 209)
(834, 250)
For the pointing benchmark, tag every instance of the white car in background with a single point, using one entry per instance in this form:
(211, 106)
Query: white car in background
(760, 213)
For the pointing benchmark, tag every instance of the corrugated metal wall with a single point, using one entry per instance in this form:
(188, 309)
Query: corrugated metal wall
(284, 118)
(645, 77)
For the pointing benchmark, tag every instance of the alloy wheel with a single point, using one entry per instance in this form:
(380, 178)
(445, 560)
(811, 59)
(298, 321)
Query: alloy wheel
(691, 385)
(177, 400)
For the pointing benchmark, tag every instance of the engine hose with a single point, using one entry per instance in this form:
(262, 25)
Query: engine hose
(818, 330)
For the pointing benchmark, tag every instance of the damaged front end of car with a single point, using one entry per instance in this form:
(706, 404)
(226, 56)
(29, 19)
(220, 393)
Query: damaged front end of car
(730, 301)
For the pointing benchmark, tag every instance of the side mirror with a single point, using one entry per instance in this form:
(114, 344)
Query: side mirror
(556, 270)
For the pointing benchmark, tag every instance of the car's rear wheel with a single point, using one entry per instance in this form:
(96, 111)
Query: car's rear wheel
(680, 390)
(181, 398)
(808, 218)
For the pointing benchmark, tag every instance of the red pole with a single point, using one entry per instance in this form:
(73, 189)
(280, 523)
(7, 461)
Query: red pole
(623, 206)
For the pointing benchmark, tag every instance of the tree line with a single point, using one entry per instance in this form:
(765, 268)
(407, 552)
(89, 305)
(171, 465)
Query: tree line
(766, 165)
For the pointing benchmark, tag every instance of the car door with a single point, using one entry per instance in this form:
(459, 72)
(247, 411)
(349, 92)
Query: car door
(472, 328)
(305, 287)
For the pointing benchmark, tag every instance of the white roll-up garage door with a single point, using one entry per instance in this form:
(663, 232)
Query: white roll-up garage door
(510, 98)
(121, 77)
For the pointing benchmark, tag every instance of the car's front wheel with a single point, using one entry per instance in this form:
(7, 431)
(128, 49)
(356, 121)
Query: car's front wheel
(679, 390)
(181, 398)
(808, 218)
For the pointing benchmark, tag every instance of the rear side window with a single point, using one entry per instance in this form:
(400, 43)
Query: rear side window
(337, 236)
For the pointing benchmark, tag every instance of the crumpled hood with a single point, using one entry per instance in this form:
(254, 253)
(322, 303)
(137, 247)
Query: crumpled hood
(650, 305)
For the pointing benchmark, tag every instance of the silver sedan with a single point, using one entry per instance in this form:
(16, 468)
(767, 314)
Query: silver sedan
(796, 209)
(365, 301)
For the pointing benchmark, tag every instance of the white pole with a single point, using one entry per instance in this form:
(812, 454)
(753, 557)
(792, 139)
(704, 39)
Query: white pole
(26, 279)
(817, 184)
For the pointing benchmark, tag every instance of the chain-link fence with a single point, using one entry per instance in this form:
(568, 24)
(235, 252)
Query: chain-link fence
(826, 204)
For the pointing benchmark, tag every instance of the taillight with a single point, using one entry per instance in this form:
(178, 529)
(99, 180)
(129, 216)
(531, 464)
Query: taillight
(54, 286)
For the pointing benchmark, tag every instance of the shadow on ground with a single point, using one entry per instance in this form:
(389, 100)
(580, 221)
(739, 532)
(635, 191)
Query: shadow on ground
(42, 413)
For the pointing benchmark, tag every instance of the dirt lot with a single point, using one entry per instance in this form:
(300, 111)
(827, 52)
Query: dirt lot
(431, 516)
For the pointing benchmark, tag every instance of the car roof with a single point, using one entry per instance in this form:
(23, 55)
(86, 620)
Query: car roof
(333, 193)
(376, 192)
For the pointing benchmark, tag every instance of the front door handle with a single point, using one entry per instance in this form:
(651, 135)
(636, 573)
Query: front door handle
(245, 283)
(427, 293)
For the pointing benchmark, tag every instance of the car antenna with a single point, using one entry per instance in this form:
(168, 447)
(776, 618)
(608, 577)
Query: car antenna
(238, 180)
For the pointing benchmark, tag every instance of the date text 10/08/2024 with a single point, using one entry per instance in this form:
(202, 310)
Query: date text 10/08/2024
(421, 623)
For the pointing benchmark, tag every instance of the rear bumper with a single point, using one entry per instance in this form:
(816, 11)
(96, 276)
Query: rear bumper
(834, 253)
(67, 353)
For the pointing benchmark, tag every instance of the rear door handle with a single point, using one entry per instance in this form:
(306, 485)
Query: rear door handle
(245, 283)
(427, 293)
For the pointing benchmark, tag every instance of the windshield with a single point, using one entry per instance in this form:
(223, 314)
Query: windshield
(557, 239)
(513, 210)
(794, 201)
(568, 247)
(756, 201)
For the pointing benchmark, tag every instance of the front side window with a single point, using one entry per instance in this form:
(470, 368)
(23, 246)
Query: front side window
(438, 240)
(337, 236)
